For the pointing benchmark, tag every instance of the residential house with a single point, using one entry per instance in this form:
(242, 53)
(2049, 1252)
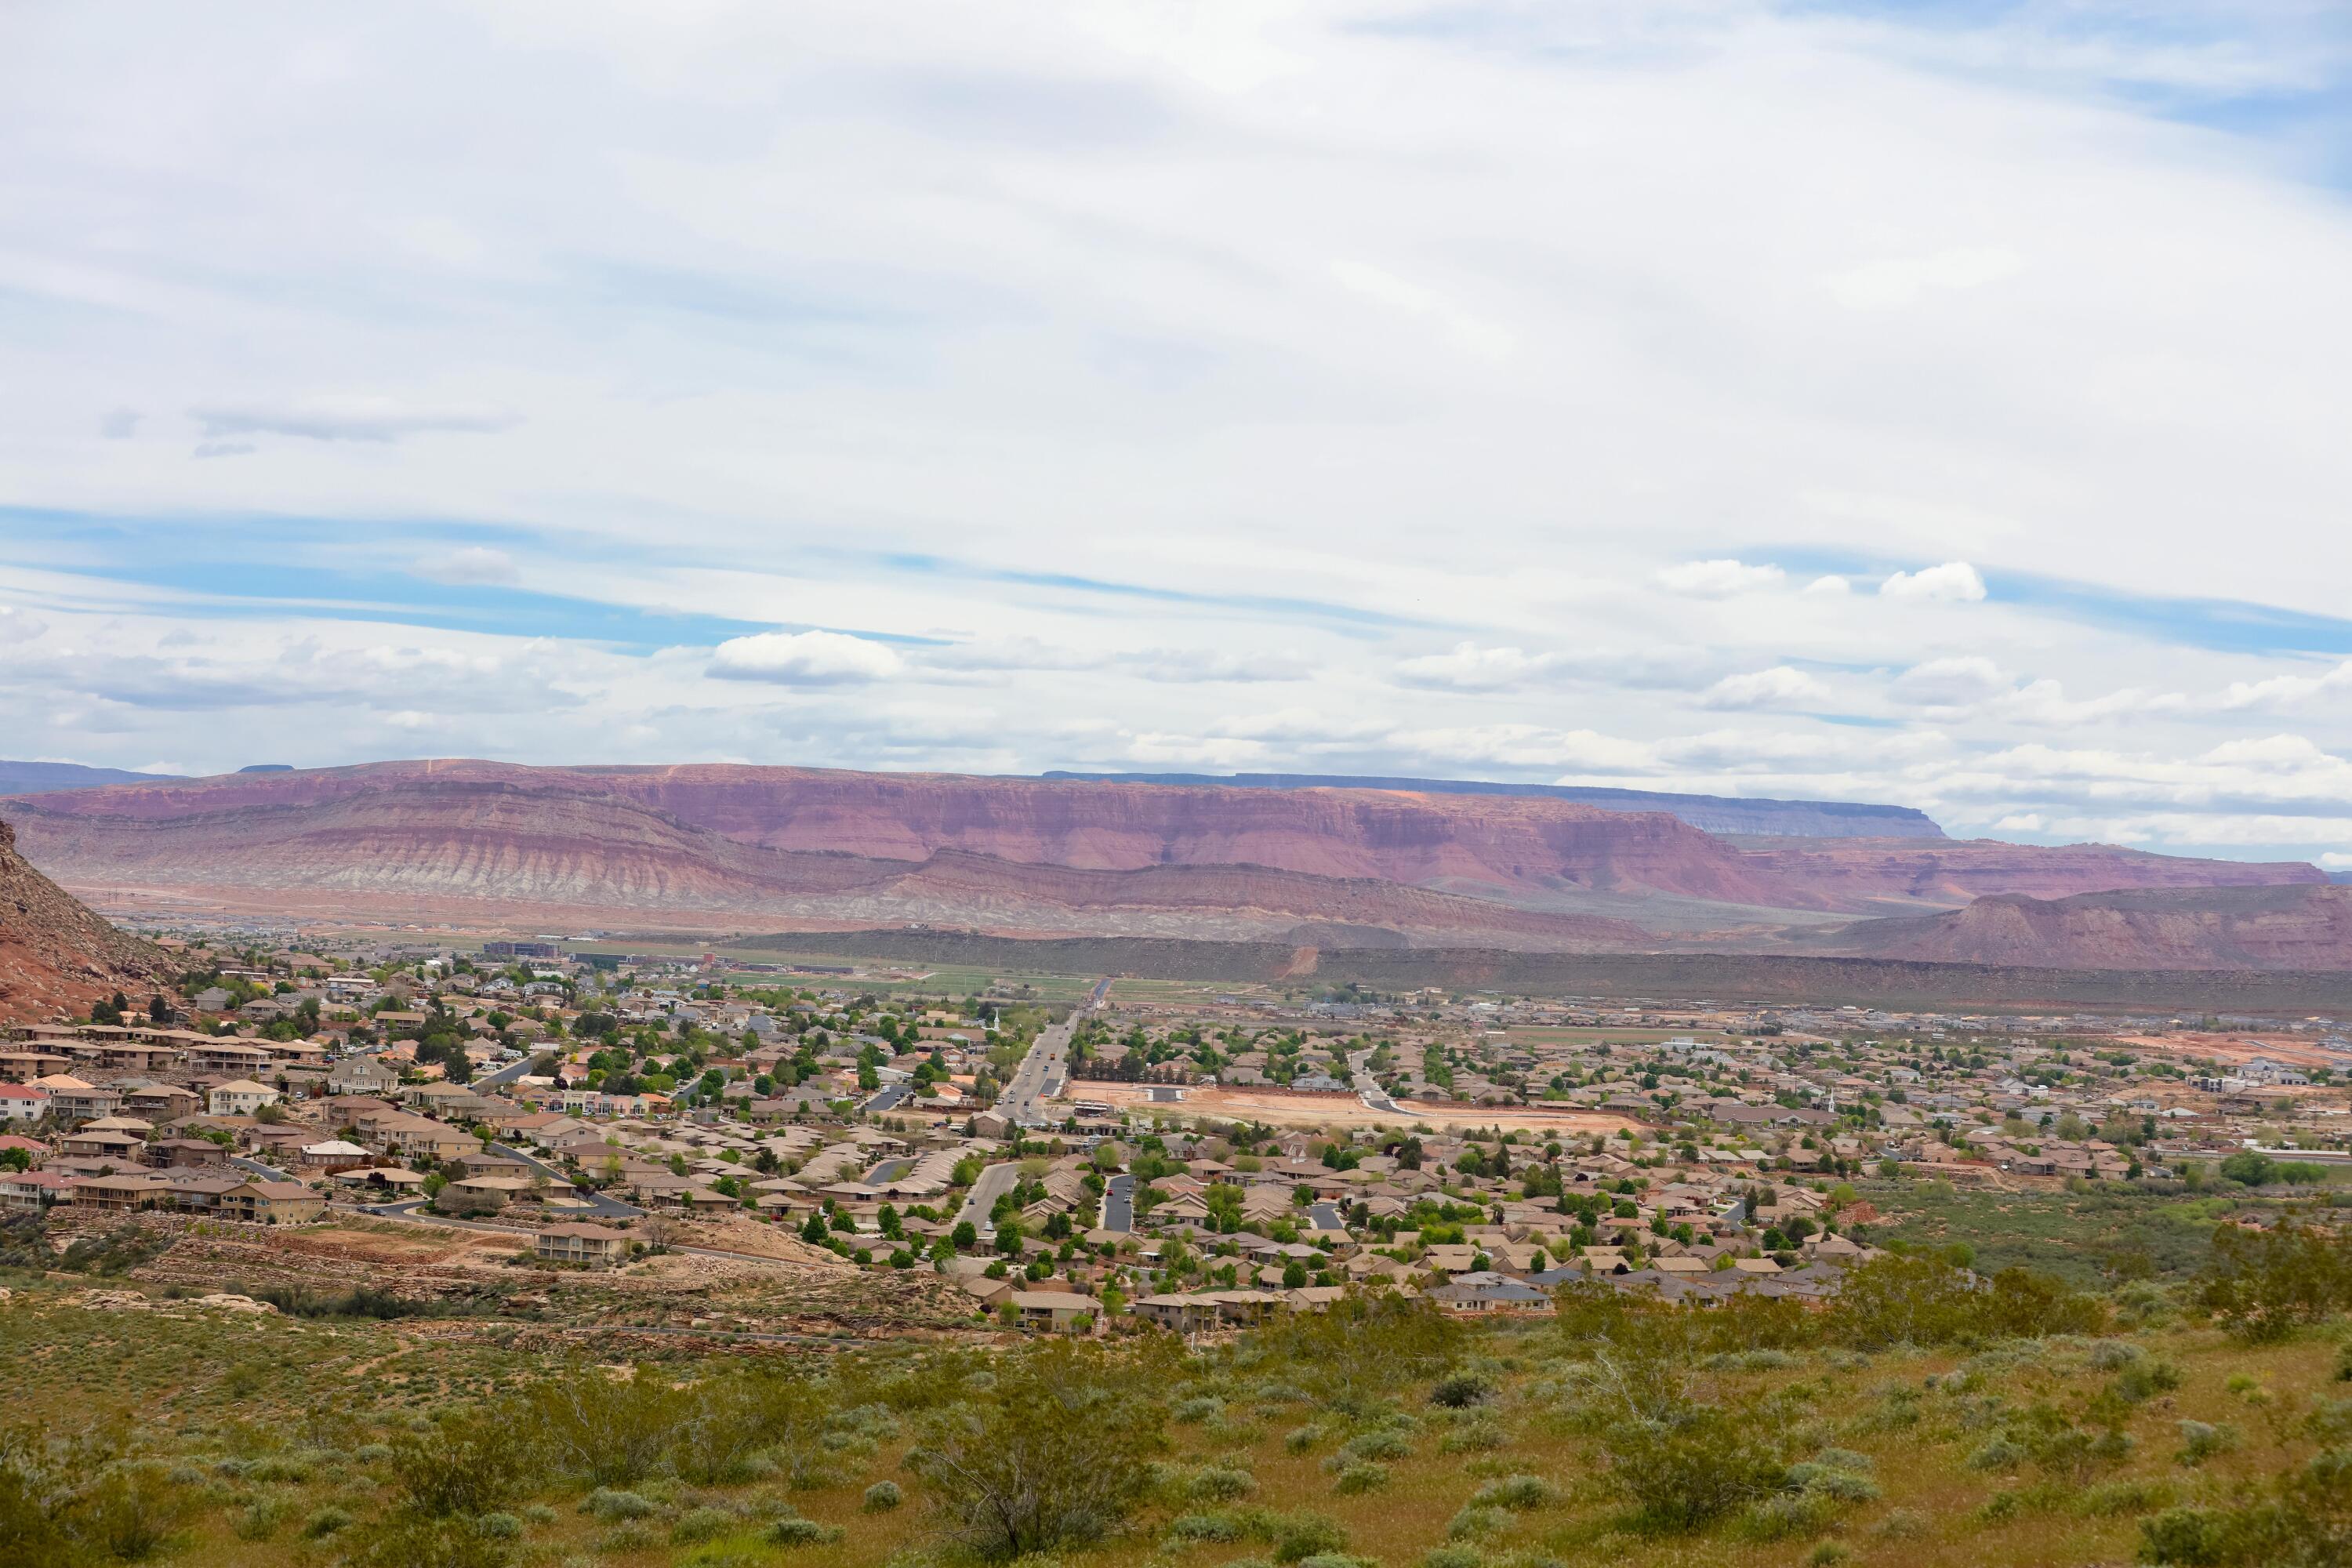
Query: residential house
(239, 1097)
(593, 1245)
(22, 1102)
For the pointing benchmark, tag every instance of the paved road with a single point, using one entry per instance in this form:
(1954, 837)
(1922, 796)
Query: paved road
(994, 1184)
(1371, 1093)
(505, 1075)
(598, 1203)
(1326, 1216)
(1164, 1094)
(1045, 1072)
(1119, 1203)
(888, 1098)
(255, 1168)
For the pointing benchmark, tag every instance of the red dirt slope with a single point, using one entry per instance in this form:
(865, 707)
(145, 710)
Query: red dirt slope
(57, 957)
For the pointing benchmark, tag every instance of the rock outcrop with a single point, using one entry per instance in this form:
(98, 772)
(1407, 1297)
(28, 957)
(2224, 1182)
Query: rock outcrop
(57, 957)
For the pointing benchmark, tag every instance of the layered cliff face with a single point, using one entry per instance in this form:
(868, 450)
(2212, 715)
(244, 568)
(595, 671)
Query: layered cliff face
(56, 956)
(454, 847)
(788, 844)
(1708, 812)
(2278, 928)
(1858, 873)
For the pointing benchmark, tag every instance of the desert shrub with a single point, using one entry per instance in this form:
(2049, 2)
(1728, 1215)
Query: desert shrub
(1923, 1300)
(1300, 1537)
(2201, 1441)
(326, 1521)
(1382, 1445)
(1221, 1483)
(1518, 1493)
(260, 1518)
(1055, 1454)
(2145, 1379)
(2262, 1285)
(2113, 1498)
(1832, 1481)
(1298, 1439)
(1476, 1523)
(631, 1535)
(613, 1432)
(696, 1525)
(1901, 1524)
(1199, 1409)
(1215, 1527)
(459, 1465)
(1998, 1454)
(607, 1504)
(1460, 1390)
(1454, 1555)
(800, 1533)
(881, 1497)
(1482, 1434)
(1786, 1515)
(1362, 1477)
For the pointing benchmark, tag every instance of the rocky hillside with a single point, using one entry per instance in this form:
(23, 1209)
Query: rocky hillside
(56, 956)
(2280, 928)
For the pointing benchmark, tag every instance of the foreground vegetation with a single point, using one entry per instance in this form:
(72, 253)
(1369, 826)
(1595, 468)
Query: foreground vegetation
(1929, 1416)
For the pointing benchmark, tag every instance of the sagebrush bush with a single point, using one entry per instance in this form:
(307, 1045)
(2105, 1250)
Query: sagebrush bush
(1517, 1493)
(699, 1525)
(881, 1496)
(609, 1503)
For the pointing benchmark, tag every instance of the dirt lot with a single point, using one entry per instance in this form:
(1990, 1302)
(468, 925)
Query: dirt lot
(1280, 1108)
(2300, 1050)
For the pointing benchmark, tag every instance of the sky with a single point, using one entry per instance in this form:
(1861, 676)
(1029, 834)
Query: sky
(1941, 403)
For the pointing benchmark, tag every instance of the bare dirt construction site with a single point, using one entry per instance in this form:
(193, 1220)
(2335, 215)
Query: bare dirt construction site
(2236, 1049)
(1284, 1107)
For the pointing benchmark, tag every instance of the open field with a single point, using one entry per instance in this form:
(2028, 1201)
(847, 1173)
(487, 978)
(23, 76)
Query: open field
(1284, 1107)
(2237, 1048)
(1525, 1035)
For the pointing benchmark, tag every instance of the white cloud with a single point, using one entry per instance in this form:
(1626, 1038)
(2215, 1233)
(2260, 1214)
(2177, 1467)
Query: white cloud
(468, 563)
(374, 419)
(19, 626)
(1719, 579)
(2337, 860)
(804, 658)
(1952, 583)
(1190, 665)
(1459, 327)
(1951, 682)
(2020, 822)
(1778, 686)
(2280, 692)
(1469, 668)
(1891, 282)
(1829, 587)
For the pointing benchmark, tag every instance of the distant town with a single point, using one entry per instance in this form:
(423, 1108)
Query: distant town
(1191, 1161)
